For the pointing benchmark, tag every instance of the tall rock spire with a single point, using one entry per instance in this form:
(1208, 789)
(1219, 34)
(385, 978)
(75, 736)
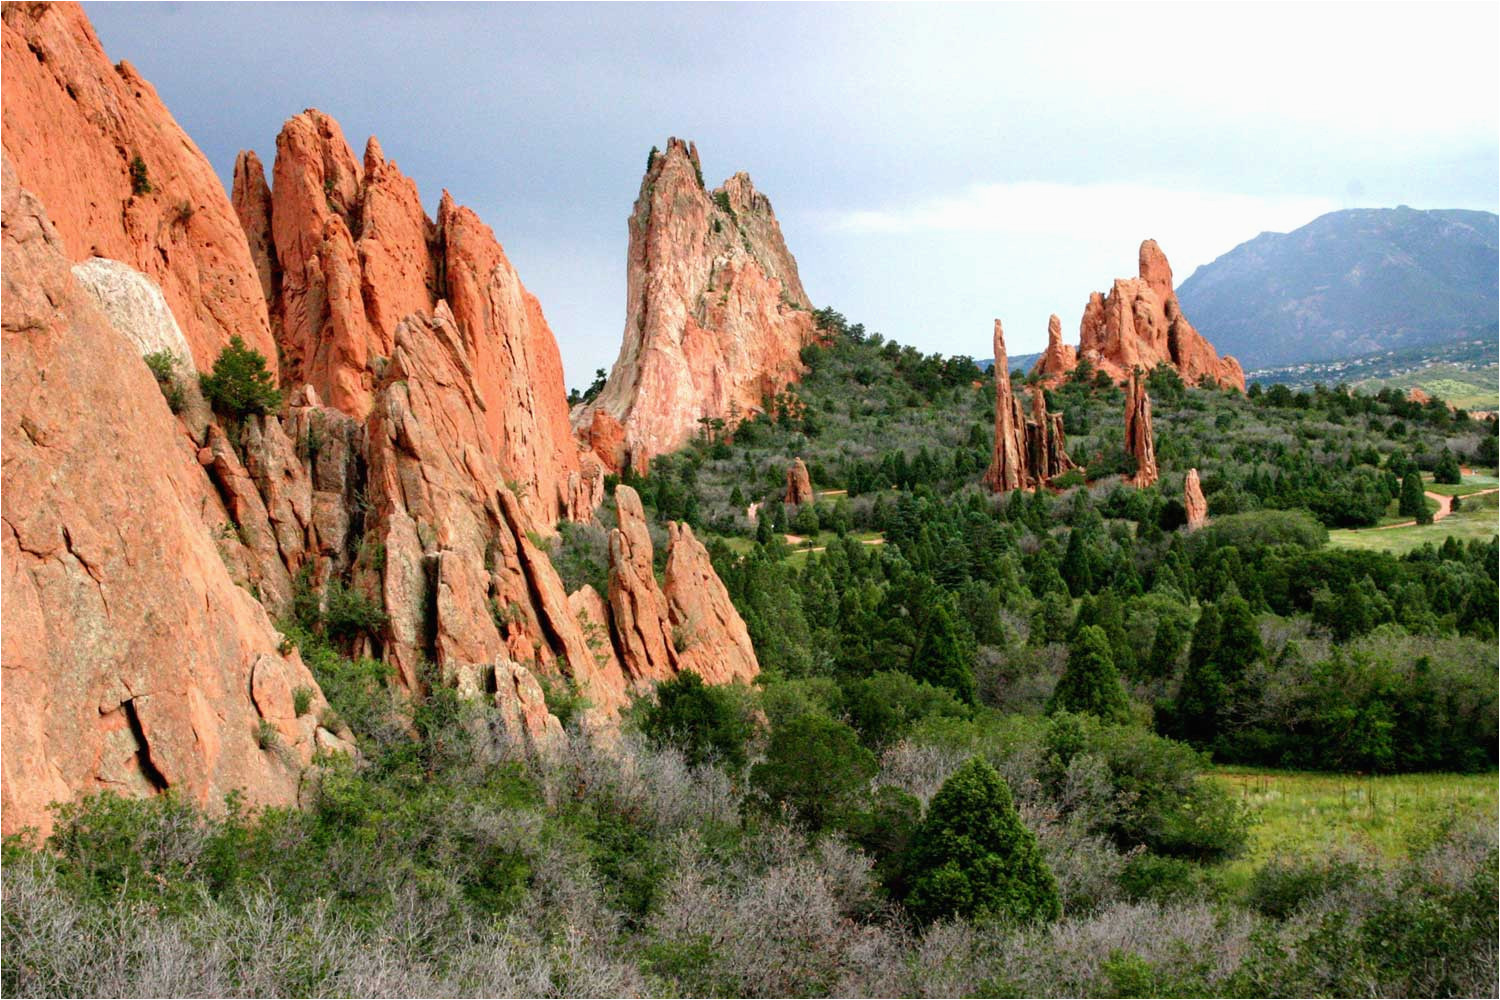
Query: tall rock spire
(1139, 439)
(715, 318)
(1008, 469)
(1192, 500)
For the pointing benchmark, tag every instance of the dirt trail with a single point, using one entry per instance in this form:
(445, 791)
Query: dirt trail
(796, 540)
(1445, 507)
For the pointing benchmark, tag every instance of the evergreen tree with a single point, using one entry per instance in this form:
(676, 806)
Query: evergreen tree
(815, 769)
(240, 383)
(704, 721)
(973, 857)
(1076, 568)
(1447, 469)
(942, 658)
(1090, 683)
(1166, 647)
(1413, 499)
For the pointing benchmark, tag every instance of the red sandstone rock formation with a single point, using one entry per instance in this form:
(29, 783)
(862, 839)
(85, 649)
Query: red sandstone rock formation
(132, 661)
(711, 637)
(1139, 324)
(798, 484)
(716, 316)
(1192, 499)
(136, 657)
(73, 127)
(1059, 358)
(1139, 439)
(1008, 469)
(350, 254)
(1028, 453)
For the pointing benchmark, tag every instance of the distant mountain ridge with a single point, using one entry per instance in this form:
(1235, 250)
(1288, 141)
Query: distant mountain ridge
(1350, 282)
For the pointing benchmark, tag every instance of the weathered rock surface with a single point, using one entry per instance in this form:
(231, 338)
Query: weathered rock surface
(1139, 324)
(353, 255)
(421, 454)
(1058, 358)
(716, 316)
(798, 484)
(1192, 500)
(1139, 438)
(1028, 453)
(711, 637)
(1008, 469)
(642, 623)
(73, 126)
(131, 660)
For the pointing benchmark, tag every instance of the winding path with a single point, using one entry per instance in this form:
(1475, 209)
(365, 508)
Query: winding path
(1445, 507)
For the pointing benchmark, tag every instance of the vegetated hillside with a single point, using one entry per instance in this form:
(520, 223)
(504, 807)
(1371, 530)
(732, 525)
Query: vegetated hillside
(1038, 678)
(1464, 372)
(1349, 283)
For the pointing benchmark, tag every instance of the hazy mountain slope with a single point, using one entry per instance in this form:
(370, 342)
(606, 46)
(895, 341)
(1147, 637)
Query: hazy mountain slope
(1347, 283)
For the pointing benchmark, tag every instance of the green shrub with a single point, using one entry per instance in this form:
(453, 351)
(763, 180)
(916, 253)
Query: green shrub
(139, 182)
(1281, 886)
(302, 698)
(815, 771)
(240, 383)
(563, 698)
(163, 365)
(706, 722)
(973, 857)
(884, 707)
(348, 613)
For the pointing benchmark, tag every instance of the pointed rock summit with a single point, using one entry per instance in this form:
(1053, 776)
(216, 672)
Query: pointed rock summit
(716, 316)
(1139, 438)
(419, 452)
(1028, 453)
(1139, 323)
(1192, 500)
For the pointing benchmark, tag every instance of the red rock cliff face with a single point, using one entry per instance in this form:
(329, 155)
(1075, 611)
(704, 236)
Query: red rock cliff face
(1028, 453)
(73, 126)
(716, 316)
(1139, 324)
(349, 254)
(132, 660)
(146, 554)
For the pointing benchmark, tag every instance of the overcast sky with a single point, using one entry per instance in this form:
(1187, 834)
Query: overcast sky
(932, 166)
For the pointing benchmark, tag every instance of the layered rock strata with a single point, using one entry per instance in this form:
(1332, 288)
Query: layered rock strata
(1139, 324)
(716, 316)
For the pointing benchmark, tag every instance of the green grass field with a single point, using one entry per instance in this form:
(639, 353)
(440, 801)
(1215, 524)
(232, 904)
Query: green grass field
(1296, 813)
(1476, 518)
(1470, 484)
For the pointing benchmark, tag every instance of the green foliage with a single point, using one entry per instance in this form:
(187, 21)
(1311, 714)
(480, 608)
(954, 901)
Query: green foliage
(1414, 499)
(348, 612)
(973, 857)
(240, 383)
(885, 706)
(140, 183)
(302, 698)
(815, 772)
(706, 722)
(164, 365)
(1091, 685)
(1447, 469)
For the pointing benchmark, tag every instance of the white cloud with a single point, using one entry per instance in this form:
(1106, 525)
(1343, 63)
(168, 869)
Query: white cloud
(1192, 226)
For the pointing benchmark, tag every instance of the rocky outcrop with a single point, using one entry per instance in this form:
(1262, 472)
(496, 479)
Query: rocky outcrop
(132, 661)
(1008, 468)
(420, 456)
(798, 484)
(1139, 438)
(1139, 324)
(350, 254)
(1046, 444)
(1193, 502)
(1059, 358)
(716, 316)
(709, 635)
(1028, 453)
(120, 179)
